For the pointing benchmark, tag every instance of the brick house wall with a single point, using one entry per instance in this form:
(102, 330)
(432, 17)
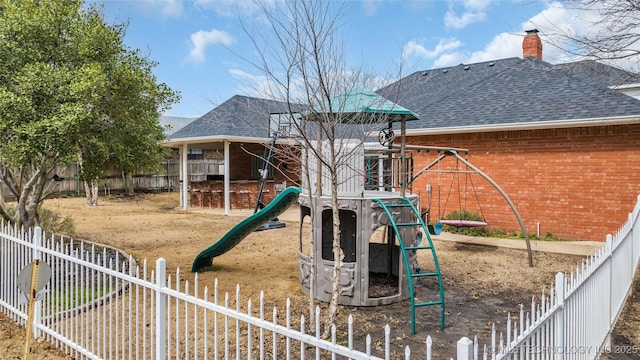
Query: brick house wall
(244, 162)
(240, 159)
(574, 183)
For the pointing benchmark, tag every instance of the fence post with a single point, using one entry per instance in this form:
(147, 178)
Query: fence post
(37, 307)
(559, 348)
(636, 238)
(161, 309)
(609, 248)
(465, 349)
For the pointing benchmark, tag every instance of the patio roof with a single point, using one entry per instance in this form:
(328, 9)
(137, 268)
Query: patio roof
(355, 102)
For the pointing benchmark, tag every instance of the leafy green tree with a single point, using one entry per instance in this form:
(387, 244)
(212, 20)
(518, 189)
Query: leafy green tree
(70, 91)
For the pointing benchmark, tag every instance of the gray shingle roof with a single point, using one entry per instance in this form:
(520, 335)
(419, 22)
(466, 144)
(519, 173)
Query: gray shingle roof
(493, 93)
(511, 91)
(174, 123)
(240, 116)
(591, 70)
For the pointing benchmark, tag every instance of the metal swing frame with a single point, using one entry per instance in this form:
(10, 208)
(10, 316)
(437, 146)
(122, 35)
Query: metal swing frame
(451, 152)
(460, 222)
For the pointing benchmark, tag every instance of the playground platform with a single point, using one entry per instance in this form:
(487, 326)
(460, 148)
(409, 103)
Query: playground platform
(580, 248)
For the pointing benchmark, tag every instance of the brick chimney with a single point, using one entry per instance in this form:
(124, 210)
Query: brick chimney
(532, 45)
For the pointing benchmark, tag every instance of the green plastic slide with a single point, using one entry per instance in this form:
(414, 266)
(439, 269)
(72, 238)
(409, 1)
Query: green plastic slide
(232, 238)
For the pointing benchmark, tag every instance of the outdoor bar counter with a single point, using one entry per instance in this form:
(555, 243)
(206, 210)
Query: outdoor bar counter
(242, 193)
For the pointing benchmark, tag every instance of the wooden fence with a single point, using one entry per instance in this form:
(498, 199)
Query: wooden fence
(113, 181)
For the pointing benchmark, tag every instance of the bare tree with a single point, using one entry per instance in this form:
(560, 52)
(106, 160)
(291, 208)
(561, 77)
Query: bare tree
(609, 31)
(299, 52)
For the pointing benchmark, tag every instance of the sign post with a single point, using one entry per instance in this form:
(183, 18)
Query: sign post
(31, 281)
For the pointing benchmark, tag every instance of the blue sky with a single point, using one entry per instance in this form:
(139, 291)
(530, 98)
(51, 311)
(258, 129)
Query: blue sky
(199, 44)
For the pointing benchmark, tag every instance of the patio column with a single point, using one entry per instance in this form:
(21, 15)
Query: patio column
(227, 202)
(185, 178)
(403, 163)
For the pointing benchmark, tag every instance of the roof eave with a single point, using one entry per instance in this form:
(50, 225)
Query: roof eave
(553, 124)
(625, 86)
(174, 143)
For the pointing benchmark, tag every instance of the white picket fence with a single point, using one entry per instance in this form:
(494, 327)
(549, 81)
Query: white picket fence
(100, 304)
(575, 318)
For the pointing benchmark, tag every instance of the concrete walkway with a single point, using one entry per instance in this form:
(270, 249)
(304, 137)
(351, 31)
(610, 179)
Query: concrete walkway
(580, 248)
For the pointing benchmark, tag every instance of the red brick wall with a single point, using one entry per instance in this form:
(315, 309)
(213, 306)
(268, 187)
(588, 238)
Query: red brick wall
(577, 183)
(240, 161)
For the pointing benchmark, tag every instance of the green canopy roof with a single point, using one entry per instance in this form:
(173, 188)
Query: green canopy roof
(358, 100)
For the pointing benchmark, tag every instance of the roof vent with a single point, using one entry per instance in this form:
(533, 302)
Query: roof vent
(445, 70)
(425, 73)
(467, 67)
(492, 63)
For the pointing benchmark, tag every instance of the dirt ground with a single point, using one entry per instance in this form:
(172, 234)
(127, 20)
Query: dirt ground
(482, 284)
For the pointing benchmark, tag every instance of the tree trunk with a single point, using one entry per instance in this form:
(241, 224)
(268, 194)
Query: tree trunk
(130, 188)
(22, 217)
(337, 250)
(91, 193)
(30, 195)
(128, 183)
(306, 178)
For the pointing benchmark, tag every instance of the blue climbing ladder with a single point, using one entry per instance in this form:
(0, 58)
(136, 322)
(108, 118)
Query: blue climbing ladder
(415, 273)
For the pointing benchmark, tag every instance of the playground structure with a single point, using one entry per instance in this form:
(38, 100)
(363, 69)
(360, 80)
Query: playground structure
(387, 251)
(388, 254)
(382, 235)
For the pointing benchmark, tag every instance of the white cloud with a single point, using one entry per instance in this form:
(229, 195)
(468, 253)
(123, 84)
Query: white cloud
(233, 8)
(473, 11)
(556, 20)
(261, 86)
(201, 39)
(370, 7)
(251, 85)
(557, 24)
(413, 48)
(171, 8)
(504, 45)
(449, 59)
(167, 8)
(451, 20)
(551, 20)
(477, 4)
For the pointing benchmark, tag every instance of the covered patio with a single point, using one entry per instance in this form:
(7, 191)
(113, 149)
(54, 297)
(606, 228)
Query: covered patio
(243, 161)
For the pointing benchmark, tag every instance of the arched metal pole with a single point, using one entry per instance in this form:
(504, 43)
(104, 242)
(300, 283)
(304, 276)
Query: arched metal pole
(504, 195)
(453, 152)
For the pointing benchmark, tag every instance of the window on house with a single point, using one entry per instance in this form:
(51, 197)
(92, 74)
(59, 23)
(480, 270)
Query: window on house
(195, 154)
